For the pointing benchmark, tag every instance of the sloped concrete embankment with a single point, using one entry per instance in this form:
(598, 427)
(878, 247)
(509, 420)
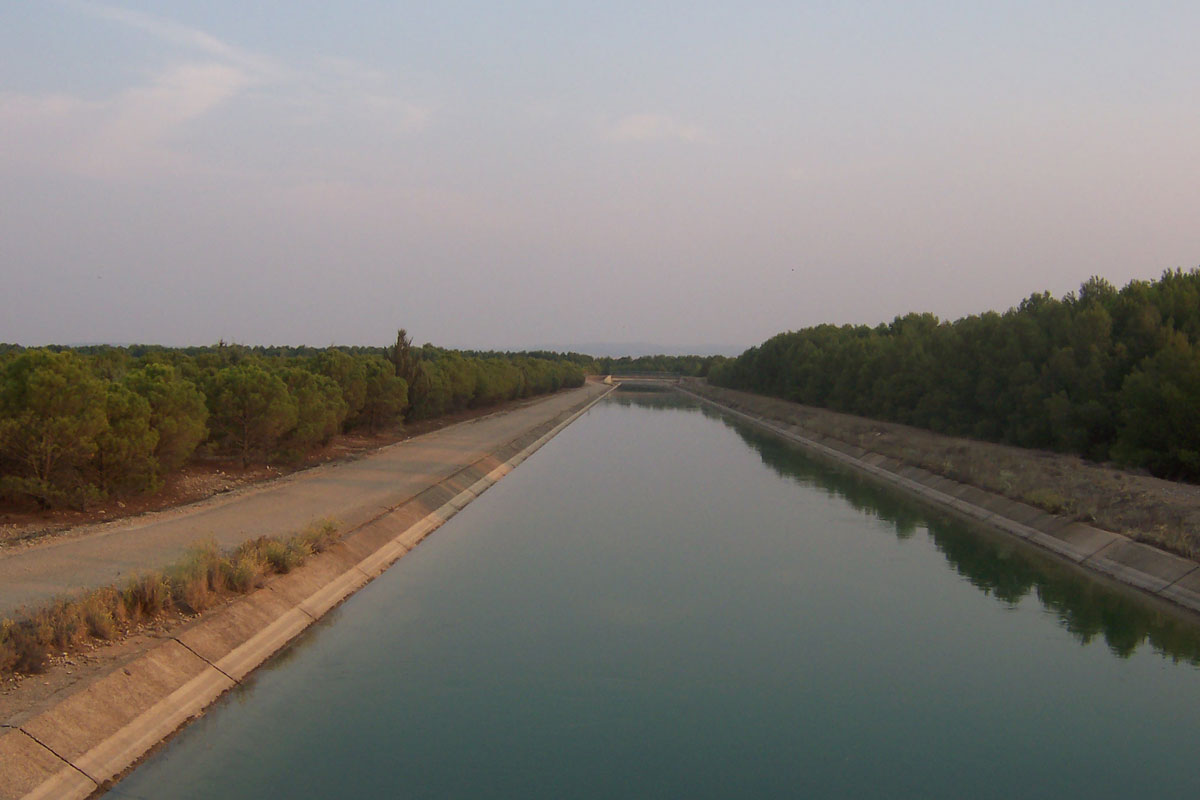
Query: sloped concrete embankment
(92, 737)
(1160, 573)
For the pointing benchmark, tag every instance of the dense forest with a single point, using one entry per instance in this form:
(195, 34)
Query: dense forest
(1103, 373)
(696, 366)
(77, 424)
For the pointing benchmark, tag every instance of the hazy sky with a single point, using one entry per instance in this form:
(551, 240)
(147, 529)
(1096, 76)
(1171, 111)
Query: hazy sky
(551, 173)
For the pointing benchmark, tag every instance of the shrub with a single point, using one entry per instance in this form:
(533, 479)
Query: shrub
(1049, 500)
(280, 556)
(318, 536)
(146, 595)
(198, 576)
(8, 650)
(62, 624)
(23, 647)
(243, 572)
(100, 610)
(193, 582)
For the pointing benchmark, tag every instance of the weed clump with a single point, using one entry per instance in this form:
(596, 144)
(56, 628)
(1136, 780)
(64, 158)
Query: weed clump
(198, 578)
(1050, 500)
(24, 646)
(102, 610)
(243, 572)
(63, 624)
(145, 595)
(318, 536)
(192, 584)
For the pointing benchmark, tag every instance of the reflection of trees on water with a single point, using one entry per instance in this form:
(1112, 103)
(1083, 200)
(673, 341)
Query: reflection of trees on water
(651, 397)
(1085, 607)
(997, 567)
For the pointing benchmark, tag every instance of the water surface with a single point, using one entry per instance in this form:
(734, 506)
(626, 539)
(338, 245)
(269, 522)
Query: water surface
(666, 603)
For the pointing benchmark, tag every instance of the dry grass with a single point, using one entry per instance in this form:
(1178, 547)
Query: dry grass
(204, 576)
(1162, 513)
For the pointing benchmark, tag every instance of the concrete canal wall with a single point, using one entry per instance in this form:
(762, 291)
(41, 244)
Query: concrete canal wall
(79, 746)
(1163, 574)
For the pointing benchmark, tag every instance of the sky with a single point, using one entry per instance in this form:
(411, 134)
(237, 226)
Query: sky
(545, 174)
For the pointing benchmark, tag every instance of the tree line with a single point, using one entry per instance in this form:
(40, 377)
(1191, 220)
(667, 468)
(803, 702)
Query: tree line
(1102, 373)
(693, 365)
(78, 424)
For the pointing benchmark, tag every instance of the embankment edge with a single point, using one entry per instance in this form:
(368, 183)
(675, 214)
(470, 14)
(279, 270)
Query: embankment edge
(1115, 555)
(81, 745)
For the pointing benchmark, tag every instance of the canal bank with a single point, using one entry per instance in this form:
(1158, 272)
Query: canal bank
(1114, 555)
(84, 741)
(668, 601)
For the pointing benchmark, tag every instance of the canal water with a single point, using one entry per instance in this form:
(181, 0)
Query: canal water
(663, 602)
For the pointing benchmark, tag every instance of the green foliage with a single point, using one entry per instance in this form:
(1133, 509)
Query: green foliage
(386, 396)
(178, 414)
(1104, 373)
(349, 373)
(696, 366)
(402, 358)
(124, 458)
(250, 410)
(81, 423)
(320, 411)
(447, 382)
(1161, 411)
(52, 409)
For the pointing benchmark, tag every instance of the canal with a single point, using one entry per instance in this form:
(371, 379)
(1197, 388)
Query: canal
(663, 602)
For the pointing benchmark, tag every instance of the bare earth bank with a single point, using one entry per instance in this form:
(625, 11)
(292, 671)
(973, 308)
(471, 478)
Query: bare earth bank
(1158, 512)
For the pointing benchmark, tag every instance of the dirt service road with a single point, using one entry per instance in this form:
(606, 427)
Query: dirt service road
(351, 492)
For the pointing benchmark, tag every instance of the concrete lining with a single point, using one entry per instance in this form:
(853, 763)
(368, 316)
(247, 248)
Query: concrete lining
(1185, 591)
(1141, 565)
(96, 734)
(1134, 563)
(31, 770)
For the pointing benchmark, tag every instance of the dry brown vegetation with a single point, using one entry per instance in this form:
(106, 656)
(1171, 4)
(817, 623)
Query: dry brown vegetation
(1159, 512)
(203, 577)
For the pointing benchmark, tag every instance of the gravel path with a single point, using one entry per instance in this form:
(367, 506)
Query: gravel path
(350, 492)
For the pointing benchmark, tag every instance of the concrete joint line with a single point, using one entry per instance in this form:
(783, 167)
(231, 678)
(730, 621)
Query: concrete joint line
(126, 745)
(1095, 553)
(56, 754)
(1177, 580)
(205, 660)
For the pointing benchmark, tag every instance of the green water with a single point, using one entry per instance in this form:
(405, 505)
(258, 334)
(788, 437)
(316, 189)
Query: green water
(665, 603)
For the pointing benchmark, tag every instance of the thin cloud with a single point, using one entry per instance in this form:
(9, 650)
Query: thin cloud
(124, 134)
(343, 86)
(143, 118)
(184, 36)
(135, 131)
(656, 128)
